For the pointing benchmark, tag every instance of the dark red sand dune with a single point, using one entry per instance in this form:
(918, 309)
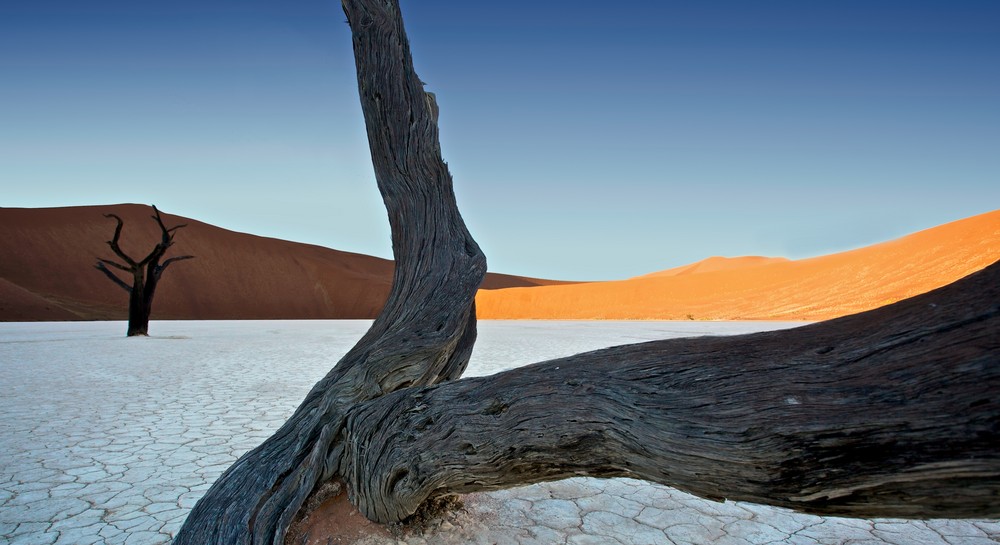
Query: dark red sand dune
(47, 272)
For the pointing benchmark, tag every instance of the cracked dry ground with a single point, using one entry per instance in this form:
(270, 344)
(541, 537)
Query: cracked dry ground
(585, 511)
(111, 440)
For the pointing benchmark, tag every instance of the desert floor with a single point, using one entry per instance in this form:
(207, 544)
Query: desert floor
(106, 439)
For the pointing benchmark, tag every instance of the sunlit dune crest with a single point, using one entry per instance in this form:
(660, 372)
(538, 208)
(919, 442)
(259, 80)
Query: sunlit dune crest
(718, 263)
(762, 288)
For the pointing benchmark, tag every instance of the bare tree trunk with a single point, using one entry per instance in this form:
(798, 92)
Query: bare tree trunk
(892, 412)
(138, 310)
(424, 334)
(868, 415)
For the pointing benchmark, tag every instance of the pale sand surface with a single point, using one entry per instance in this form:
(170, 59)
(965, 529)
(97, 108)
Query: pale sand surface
(111, 440)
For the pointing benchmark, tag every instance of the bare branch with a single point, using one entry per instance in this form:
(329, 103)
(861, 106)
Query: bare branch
(114, 278)
(156, 216)
(118, 229)
(113, 243)
(166, 239)
(116, 265)
(173, 259)
(162, 267)
(167, 236)
(154, 255)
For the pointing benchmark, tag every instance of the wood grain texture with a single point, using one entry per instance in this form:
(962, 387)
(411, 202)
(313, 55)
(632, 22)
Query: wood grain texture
(424, 334)
(893, 412)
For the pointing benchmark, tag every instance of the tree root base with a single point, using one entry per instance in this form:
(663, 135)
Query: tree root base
(429, 516)
(328, 518)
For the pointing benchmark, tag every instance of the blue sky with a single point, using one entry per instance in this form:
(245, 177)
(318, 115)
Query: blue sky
(588, 140)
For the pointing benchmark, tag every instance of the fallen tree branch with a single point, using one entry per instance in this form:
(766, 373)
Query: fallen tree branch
(888, 413)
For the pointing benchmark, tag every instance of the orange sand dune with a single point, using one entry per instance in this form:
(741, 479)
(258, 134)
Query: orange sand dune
(754, 288)
(47, 258)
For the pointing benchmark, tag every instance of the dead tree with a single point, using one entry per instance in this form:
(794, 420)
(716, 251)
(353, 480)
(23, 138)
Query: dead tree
(145, 273)
(892, 412)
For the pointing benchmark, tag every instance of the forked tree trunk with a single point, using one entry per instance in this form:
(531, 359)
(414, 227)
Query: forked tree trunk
(889, 412)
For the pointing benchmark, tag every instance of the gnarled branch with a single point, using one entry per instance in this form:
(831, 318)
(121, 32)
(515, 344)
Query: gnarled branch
(889, 413)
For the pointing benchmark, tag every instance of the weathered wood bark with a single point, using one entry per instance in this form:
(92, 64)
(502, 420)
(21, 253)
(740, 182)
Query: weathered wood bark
(818, 418)
(424, 334)
(145, 273)
(893, 412)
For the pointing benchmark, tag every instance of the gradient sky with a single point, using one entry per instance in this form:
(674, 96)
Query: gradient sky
(588, 140)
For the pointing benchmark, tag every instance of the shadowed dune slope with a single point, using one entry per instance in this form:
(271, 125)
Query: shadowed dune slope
(47, 258)
(758, 288)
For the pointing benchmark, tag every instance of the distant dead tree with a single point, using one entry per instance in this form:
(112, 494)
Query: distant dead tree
(889, 413)
(145, 273)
